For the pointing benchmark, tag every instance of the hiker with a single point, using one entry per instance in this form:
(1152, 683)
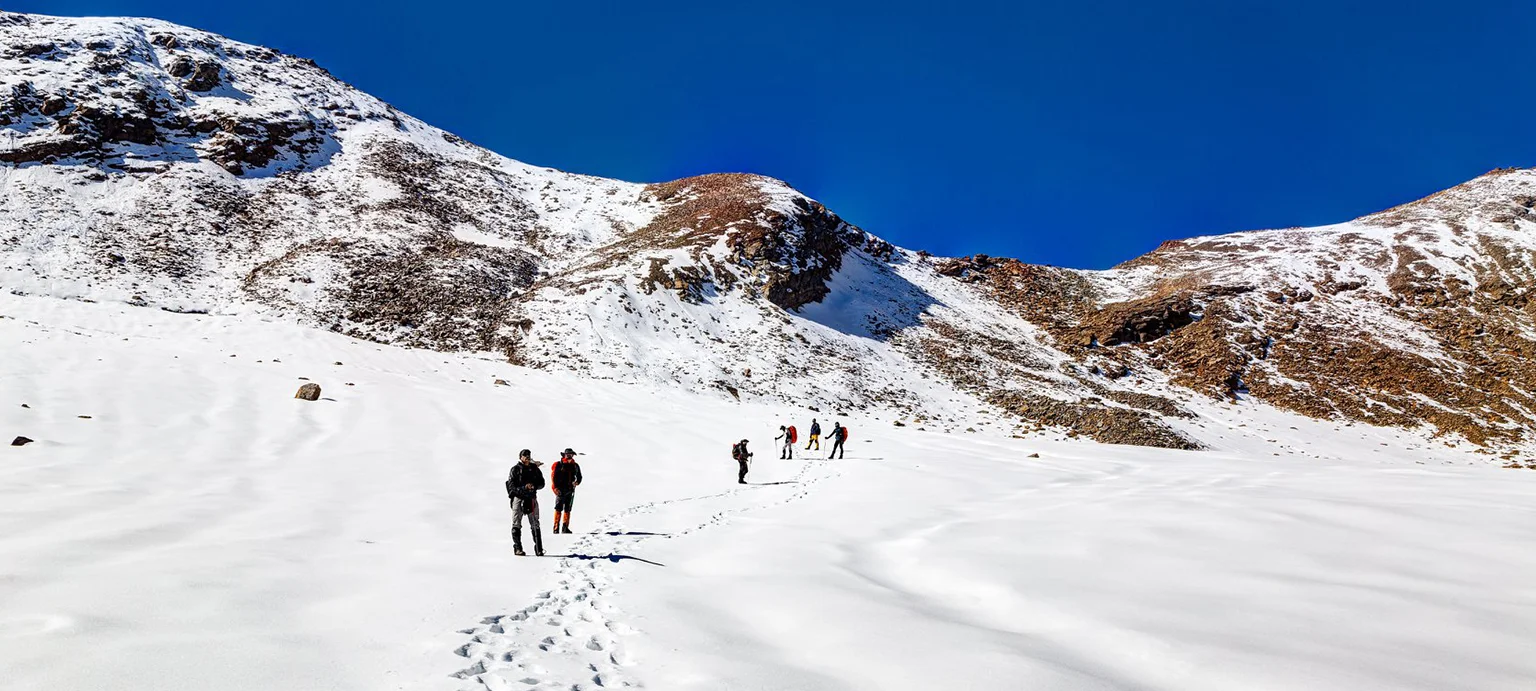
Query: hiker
(788, 435)
(523, 485)
(815, 435)
(564, 475)
(743, 457)
(839, 435)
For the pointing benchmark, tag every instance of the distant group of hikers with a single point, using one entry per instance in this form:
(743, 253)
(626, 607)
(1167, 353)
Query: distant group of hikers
(790, 436)
(527, 477)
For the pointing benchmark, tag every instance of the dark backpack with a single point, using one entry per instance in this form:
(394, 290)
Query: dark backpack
(738, 452)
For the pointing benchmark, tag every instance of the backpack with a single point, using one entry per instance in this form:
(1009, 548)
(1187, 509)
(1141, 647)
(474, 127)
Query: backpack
(737, 452)
(793, 437)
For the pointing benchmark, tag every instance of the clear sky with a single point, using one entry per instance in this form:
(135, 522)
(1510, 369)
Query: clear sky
(1076, 133)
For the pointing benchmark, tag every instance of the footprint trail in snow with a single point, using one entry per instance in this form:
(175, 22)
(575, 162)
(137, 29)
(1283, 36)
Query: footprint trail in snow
(571, 636)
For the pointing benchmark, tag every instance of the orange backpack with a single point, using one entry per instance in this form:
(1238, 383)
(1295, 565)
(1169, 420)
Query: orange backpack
(793, 437)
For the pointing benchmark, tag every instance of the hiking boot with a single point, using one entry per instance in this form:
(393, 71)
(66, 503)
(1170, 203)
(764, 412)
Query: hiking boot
(566, 529)
(519, 552)
(538, 551)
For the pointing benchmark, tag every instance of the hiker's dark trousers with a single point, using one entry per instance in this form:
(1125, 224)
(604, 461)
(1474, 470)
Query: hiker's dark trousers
(837, 448)
(526, 507)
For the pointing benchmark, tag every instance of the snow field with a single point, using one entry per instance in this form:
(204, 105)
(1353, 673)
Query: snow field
(203, 529)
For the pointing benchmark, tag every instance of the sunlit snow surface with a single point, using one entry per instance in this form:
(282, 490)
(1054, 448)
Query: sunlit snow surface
(203, 529)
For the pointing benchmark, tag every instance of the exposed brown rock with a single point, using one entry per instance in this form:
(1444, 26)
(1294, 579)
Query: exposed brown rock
(205, 77)
(789, 256)
(994, 369)
(308, 392)
(1137, 321)
(181, 66)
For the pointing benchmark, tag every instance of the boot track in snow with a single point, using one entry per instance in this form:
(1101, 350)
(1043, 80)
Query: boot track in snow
(570, 636)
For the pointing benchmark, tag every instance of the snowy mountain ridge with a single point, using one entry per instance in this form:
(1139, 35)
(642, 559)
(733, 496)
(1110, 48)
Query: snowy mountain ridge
(165, 167)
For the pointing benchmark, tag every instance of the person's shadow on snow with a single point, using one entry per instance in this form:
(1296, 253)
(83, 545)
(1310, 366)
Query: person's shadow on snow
(615, 558)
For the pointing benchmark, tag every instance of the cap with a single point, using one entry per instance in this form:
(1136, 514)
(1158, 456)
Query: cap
(525, 453)
(568, 451)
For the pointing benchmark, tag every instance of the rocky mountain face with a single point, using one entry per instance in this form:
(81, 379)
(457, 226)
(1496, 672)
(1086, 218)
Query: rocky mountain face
(165, 167)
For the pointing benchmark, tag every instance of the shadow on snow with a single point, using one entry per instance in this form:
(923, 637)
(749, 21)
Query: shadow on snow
(615, 558)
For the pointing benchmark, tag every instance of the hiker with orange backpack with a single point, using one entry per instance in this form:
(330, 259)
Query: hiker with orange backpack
(564, 476)
(839, 435)
(789, 437)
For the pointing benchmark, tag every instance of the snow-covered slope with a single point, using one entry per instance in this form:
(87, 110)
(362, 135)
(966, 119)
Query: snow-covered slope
(183, 522)
(160, 166)
(1422, 314)
(257, 183)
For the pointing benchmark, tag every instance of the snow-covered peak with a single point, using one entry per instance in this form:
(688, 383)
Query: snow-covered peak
(166, 167)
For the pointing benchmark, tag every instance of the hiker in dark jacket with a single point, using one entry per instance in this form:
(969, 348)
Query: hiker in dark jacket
(564, 475)
(815, 436)
(523, 484)
(839, 435)
(743, 458)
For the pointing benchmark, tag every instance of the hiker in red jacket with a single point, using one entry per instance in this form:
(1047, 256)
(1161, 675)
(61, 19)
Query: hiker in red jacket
(564, 476)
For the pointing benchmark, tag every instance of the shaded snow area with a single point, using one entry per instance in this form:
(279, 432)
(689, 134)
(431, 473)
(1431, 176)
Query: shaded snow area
(200, 528)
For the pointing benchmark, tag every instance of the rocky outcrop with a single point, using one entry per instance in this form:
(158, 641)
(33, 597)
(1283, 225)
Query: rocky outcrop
(1137, 321)
(108, 95)
(995, 368)
(786, 248)
(308, 392)
(205, 76)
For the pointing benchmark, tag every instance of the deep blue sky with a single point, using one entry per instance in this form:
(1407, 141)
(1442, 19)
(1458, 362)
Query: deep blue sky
(1072, 133)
